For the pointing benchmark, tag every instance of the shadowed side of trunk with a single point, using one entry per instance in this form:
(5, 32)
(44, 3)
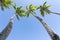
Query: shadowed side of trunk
(5, 33)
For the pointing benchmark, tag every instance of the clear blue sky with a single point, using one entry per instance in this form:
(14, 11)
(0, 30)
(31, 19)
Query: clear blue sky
(30, 28)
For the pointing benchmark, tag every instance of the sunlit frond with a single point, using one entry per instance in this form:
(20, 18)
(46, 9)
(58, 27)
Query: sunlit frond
(5, 4)
(44, 9)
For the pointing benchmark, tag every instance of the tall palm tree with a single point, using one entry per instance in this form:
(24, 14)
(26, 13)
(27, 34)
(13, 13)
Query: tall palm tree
(52, 34)
(6, 31)
(31, 9)
(22, 13)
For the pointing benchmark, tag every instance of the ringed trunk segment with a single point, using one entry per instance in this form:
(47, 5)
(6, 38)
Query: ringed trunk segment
(48, 29)
(6, 31)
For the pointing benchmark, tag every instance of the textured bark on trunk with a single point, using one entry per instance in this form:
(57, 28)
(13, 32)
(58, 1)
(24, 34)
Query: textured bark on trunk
(5, 33)
(52, 34)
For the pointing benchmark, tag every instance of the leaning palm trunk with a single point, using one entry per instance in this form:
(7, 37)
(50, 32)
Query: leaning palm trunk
(5, 33)
(51, 12)
(52, 34)
(55, 13)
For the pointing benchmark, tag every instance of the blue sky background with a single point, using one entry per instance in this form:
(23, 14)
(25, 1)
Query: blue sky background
(30, 28)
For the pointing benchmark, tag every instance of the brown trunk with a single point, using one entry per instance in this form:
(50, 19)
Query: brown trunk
(4, 34)
(52, 34)
(52, 12)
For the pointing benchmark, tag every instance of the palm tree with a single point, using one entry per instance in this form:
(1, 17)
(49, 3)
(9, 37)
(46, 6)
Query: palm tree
(6, 31)
(19, 12)
(51, 33)
(45, 9)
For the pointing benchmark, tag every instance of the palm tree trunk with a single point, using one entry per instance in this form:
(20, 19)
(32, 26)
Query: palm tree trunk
(52, 12)
(4, 34)
(55, 13)
(48, 29)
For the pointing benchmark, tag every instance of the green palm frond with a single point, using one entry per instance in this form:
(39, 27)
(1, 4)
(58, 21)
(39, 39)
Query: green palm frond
(48, 6)
(6, 4)
(27, 13)
(27, 8)
(44, 4)
(41, 11)
(31, 7)
(17, 16)
(14, 6)
(2, 8)
(44, 9)
(20, 12)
